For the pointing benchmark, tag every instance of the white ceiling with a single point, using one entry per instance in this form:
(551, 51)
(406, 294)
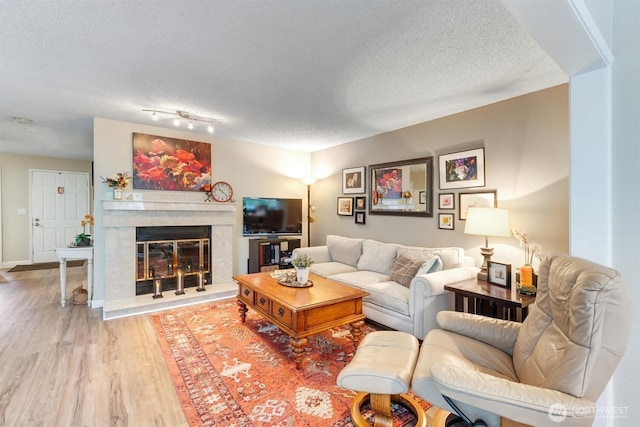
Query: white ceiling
(297, 74)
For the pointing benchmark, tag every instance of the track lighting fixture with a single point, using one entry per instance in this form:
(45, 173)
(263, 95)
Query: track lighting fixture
(179, 115)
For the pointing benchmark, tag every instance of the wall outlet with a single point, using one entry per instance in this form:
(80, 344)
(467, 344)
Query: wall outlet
(22, 211)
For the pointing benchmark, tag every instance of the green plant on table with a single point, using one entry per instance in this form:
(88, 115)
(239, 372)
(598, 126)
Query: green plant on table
(302, 261)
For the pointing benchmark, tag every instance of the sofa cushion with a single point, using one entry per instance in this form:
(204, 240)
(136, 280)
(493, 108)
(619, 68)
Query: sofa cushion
(325, 269)
(377, 256)
(405, 269)
(344, 249)
(431, 265)
(359, 279)
(391, 295)
(451, 257)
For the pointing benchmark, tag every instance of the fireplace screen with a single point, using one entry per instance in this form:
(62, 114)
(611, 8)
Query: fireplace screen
(165, 257)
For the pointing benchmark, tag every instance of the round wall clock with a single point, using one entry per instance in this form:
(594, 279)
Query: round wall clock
(221, 191)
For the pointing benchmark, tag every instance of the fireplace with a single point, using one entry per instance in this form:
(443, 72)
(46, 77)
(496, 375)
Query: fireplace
(121, 219)
(167, 253)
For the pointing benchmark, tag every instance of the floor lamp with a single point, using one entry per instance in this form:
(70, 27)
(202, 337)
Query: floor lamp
(310, 208)
(487, 222)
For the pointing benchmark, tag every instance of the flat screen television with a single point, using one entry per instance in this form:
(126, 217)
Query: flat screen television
(268, 216)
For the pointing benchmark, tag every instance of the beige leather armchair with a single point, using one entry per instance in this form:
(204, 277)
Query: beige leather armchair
(552, 367)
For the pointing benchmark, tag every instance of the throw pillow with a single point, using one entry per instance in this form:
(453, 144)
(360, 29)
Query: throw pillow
(431, 265)
(378, 257)
(405, 269)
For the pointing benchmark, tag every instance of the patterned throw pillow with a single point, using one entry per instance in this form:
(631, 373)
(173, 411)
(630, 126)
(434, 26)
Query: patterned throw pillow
(405, 269)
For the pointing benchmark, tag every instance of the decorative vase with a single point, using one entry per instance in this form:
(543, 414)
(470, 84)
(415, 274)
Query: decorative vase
(117, 194)
(302, 275)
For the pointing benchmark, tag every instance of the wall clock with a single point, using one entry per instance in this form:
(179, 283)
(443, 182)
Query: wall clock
(221, 191)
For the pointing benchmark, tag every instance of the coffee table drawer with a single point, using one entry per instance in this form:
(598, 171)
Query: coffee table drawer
(283, 314)
(246, 293)
(263, 302)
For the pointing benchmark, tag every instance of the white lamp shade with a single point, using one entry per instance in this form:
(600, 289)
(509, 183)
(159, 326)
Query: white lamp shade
(488, 222)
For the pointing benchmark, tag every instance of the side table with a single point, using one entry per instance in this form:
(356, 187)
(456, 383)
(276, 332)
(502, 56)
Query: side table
(481, 295)
(81, 252)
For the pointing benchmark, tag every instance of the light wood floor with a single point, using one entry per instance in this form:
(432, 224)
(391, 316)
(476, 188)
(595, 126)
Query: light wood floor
(66, 367)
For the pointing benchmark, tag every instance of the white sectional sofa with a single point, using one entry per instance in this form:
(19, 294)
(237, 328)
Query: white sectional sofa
(405, 283)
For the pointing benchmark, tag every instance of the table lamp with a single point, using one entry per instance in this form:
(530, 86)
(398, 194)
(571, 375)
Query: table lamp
(487, 222)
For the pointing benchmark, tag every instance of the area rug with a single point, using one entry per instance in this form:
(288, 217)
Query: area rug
(229, 373)
(45, 265)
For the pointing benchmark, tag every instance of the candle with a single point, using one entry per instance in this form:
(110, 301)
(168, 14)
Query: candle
(180, 285)
(200, 287)
(157, 287)
(526, 276)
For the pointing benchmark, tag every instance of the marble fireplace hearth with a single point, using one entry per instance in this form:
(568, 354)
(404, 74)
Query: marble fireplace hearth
(120, 219)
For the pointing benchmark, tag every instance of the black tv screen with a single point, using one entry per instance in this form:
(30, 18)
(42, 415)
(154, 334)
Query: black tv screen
(262, 216)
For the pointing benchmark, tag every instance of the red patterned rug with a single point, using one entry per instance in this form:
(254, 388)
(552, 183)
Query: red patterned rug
(229, 373)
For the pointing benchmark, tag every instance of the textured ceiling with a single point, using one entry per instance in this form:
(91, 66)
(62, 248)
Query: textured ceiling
(297, 74)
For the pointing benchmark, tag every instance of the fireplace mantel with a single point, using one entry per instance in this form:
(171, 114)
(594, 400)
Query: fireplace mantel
(165, 205)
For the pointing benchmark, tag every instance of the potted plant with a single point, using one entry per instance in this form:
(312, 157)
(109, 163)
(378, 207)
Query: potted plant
(302, 264)
(84, 239)
(117, 182)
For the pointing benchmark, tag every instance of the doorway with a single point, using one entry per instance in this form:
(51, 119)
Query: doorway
(59, 201)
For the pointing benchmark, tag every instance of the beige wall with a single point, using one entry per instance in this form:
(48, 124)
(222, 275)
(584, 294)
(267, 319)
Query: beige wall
(16, 228)
(252, 170)
(526, 145)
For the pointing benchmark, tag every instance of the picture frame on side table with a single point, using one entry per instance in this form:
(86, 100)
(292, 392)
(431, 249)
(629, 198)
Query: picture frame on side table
(447, 201)
(499, 274)
(463, 169)
(345, 206)
(445, 221)
(353, 180)
(360, 217)
(485, 199)
(361, 203)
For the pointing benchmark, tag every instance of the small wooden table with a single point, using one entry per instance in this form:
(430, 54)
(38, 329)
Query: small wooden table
(301, 312)
(81, 252)
(481, 295)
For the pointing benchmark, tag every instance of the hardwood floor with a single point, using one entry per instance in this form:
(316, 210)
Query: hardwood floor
(66, 367)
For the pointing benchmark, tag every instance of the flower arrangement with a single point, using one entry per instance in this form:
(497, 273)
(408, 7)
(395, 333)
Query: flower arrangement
(530, 249)
(119, 180)
(84, 239)
(302, 261)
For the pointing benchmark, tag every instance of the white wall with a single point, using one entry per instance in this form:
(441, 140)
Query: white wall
(252, 170)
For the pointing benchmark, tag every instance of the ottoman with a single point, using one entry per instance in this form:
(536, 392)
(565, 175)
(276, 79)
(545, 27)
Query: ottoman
(380, 372)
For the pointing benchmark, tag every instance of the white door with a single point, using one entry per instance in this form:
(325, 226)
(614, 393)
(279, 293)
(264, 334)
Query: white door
(59, 201)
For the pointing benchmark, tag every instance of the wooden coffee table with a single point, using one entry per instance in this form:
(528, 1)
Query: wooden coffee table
(301, 312)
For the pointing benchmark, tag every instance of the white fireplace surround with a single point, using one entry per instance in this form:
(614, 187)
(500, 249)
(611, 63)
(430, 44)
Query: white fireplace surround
(120, 219)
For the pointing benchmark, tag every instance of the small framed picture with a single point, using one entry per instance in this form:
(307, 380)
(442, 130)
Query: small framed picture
(462, 170)
(445, 221)
(447, 201)
(422, 197)
(485, 199)
(353, 180)
(361, 203)
(499, 274)
(345, 206)
(360, 218)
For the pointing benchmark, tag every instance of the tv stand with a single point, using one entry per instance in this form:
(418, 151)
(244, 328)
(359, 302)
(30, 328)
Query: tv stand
(268, 254)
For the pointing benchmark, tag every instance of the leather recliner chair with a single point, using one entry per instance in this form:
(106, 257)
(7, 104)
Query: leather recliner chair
(551, 367)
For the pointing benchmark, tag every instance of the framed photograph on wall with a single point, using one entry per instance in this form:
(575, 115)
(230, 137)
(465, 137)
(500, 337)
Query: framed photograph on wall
(345, 206)
(464, 169)
(353, 180)
(361, 203)
(499, 274)
(422, 197)
(445, 221)
(486, 199)
(170, 164)
(360, 217)
(447, 201)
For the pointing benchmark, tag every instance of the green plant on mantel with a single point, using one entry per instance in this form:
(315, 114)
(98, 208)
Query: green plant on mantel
(302, 261)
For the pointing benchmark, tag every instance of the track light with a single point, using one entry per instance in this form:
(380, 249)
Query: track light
(179, 114)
